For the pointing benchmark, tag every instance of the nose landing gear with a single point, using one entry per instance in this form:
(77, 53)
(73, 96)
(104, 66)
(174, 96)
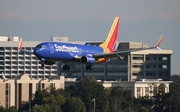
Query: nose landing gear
(42, 63)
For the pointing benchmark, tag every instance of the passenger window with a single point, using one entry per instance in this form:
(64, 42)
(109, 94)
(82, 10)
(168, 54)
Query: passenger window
(43, 47)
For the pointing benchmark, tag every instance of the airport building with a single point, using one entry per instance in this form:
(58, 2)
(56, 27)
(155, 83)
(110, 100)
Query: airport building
(146, 64)
(19, 90)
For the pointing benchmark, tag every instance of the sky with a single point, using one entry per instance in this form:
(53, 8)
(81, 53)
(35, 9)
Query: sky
(81, 20)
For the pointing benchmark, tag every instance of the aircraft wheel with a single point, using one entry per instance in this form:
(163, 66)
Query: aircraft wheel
(42, 64)
(88, 67)
(66, 67)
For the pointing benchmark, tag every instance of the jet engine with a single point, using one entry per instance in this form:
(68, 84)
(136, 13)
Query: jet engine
(88, 59)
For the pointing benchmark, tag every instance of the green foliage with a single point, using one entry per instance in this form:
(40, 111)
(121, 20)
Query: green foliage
(11, 109)
(46, 101)
(39, 108)
(175, 78)
(160, 102)
(120, 99)
(74, 104)
(174, 96)
(78, 98)
(88, 89)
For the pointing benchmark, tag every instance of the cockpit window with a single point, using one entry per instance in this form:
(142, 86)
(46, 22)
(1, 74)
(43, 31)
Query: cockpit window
(43, 47)
(40, 46)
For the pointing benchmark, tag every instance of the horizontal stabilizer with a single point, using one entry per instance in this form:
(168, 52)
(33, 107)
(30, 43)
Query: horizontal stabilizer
(22, 50)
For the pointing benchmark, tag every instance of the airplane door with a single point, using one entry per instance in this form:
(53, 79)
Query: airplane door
(51, 48)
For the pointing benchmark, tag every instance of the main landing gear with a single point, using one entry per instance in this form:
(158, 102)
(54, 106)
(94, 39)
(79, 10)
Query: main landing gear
(66, 67)
(88, 67)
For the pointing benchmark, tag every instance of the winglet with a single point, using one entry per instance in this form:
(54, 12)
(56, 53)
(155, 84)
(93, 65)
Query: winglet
(20, 44)
(159, 42)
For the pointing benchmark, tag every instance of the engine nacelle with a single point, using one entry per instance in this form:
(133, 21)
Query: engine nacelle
(87, 59)
(48, 62)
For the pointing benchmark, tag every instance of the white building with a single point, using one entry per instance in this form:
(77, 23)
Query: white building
(21, 89)
(145, 87)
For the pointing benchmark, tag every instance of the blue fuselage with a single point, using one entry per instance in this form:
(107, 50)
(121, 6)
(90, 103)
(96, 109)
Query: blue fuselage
(64, 51)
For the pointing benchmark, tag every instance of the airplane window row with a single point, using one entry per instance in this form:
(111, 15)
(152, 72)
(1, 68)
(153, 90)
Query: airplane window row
(41, 46)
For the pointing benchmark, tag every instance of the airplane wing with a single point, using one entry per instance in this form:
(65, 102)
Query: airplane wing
(118, 53)
(22, 50)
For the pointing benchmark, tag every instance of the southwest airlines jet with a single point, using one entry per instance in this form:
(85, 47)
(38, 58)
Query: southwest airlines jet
(51, 52)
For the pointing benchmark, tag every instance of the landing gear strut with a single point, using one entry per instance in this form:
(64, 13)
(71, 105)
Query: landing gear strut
(88, 67)
(66, 67)
(42, 63)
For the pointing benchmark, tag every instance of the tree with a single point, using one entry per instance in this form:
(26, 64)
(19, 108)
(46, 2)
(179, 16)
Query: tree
(47, 100)
(39, 108)
(159, 98)
(78, 98)
(143, 103)
(144, 109)
(88, 89)
(116, 98)
(11, 109)
(74, 104)
(174, 94)
(2, 109)
(127, 100)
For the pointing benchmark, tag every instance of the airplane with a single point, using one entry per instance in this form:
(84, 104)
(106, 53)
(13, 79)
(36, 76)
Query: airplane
(51, 52)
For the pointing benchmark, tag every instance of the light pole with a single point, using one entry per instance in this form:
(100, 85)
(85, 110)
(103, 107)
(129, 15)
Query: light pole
(94, 100)
(170, 108)
(29, 105)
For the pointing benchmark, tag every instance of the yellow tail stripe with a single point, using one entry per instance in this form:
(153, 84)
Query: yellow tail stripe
(111, 31)
(20, 44)
(159, 41)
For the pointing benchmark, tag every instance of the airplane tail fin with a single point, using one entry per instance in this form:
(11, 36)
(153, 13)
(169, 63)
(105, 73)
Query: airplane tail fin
(110, 44)
(158, 43)
(22, 50)
(20, 44)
